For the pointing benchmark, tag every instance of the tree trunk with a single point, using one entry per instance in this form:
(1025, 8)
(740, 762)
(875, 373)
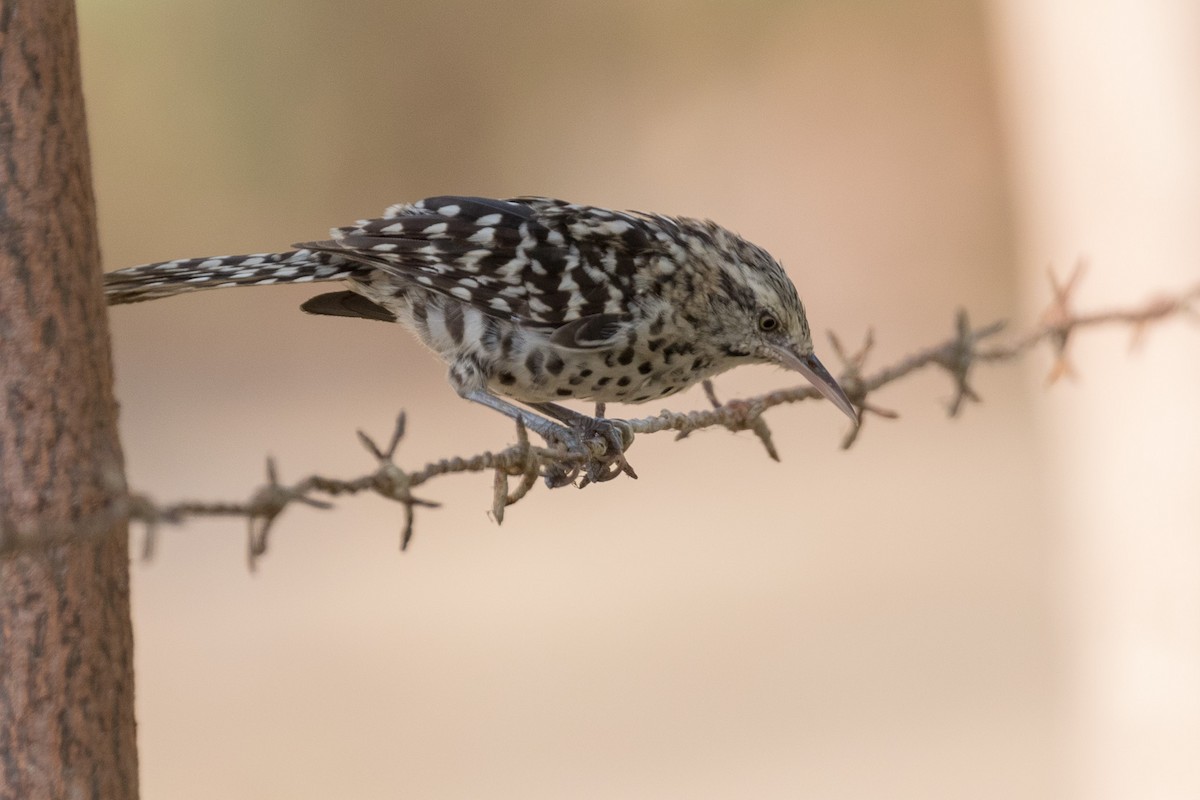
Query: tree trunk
(1104, 114)
(66, 640)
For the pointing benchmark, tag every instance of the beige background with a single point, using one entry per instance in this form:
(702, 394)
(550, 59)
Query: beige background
(884, 622)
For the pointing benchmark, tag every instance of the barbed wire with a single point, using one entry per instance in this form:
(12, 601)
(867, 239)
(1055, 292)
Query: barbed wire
(525, 462)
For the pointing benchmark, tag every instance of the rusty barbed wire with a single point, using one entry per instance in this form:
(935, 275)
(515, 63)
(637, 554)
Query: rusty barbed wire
(957, 355)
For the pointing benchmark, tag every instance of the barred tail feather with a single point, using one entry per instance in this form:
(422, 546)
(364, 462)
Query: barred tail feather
(166, 278)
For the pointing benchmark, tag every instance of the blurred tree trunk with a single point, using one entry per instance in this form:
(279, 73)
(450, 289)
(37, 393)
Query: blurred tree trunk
(1104, 114)
(66, 641)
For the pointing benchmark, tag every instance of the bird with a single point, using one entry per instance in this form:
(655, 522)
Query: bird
(538, 300)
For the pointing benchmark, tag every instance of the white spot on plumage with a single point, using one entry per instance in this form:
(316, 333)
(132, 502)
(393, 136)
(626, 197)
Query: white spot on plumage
(469, 261)
(615, 304)
(489, 219)
(436, 229)
(483, 235)
(461, 292)
(513, 268)
(598, 275)
(449, 211)
(384, 248)
(395, 227)
(435, 321)
(472, 325)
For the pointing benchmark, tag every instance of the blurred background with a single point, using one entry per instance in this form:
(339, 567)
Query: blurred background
(1001, 605)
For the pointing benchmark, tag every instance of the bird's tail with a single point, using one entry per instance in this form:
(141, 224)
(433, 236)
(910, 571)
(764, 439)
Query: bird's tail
(166, 278)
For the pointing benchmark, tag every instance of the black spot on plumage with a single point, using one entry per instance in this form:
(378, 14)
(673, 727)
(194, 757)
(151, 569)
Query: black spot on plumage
(678, 348)
(564, 392)
(685, 350)
(645, 367)
(624, 380)
(626, 357)
(534, 361)
(453, 315)
(635, 239)
(491, 333)
(506, 378)
(554, 364)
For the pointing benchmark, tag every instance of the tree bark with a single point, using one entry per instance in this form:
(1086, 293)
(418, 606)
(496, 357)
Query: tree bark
(66, 641)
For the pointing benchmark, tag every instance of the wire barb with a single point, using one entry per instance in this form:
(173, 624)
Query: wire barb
(855, 384)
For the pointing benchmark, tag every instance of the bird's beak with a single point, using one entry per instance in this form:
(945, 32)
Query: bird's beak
(810, 367)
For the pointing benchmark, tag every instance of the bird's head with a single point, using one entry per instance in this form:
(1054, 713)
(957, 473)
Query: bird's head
(764, 318)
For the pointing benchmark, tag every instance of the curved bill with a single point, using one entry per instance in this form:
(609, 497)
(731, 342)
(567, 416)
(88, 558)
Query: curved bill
(810, 367)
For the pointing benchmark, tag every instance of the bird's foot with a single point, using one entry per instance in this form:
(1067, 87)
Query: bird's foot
(602, 444)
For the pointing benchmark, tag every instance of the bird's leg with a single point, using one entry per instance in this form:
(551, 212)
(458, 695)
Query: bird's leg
(582, 429)
(616, 432)
(548, 430)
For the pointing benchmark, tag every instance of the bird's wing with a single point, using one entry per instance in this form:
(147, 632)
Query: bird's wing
(536, 261)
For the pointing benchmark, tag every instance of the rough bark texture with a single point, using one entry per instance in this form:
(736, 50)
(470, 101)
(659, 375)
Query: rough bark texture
(66, 642)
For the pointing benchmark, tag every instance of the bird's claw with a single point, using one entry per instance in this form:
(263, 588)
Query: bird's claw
(616, 434)
(603, 443)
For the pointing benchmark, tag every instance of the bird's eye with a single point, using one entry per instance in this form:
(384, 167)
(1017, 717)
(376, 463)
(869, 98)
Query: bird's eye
(767, 323)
